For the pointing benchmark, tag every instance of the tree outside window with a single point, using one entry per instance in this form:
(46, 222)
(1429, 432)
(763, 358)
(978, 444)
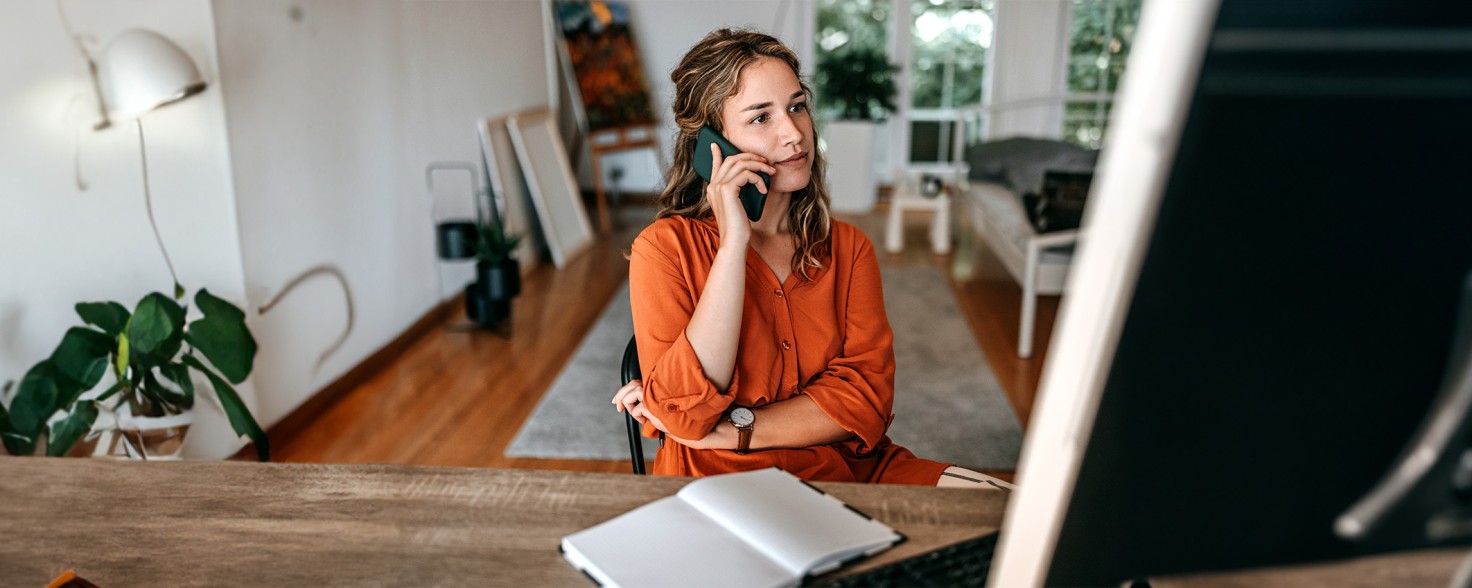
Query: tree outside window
(850, 25)
(1103, 32)
(949, 44)
(947, 54)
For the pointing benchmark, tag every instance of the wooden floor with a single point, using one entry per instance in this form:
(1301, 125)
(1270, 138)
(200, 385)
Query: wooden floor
(458, 396)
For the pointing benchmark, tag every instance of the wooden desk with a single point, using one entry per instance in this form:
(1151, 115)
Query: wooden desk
(238, 523)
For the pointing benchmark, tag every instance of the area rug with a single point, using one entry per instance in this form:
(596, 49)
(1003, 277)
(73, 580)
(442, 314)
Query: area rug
(948, 404)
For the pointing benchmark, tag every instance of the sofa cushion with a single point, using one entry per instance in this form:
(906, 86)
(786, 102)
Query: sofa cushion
(1003, 212)
(1021, 162)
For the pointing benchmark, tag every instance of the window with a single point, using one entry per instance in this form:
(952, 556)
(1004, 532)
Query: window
(1103, 31)
(949, 40)
(847, 25)
(946, 50)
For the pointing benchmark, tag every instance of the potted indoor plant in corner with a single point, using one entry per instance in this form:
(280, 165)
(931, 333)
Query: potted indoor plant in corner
(861, 82)
(151, 355)
(498, 275)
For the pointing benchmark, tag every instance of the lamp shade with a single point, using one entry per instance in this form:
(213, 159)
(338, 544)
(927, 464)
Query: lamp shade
(141, 70)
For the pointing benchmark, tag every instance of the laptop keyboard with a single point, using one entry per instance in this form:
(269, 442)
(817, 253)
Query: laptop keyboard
(962, 564)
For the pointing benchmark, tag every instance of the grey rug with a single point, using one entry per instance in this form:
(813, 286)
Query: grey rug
(948, 404)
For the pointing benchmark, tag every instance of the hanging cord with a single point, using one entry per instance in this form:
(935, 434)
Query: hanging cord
(335, 273)
(148, 203)
(103, 121)
(82, 184)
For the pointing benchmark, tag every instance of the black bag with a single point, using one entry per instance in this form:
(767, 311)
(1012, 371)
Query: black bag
(1061, 205)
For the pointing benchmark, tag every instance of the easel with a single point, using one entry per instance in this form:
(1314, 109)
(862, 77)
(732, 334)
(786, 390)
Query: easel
(612, 140)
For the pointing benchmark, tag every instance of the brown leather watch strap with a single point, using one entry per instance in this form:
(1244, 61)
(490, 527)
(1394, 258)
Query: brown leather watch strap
(743, 439)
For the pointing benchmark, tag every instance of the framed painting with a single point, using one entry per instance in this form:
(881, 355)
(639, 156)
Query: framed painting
(600, 51)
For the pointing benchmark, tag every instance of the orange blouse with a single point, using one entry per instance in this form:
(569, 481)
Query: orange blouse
(828, 339)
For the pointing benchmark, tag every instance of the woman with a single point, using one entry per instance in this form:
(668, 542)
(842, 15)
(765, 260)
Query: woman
(761, 343)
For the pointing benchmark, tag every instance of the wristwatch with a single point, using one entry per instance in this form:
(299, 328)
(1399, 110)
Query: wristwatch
(744, 419)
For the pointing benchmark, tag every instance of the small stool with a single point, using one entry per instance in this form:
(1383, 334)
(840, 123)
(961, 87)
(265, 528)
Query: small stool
(907, 197)
(940, 221)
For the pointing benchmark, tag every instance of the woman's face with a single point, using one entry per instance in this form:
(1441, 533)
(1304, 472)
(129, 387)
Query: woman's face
(769, 117)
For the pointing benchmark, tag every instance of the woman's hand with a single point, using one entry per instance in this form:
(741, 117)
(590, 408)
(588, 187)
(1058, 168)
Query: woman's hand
(723, 192)
(630, 398)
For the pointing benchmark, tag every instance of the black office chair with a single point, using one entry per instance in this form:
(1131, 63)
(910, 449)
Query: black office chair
(629, 371)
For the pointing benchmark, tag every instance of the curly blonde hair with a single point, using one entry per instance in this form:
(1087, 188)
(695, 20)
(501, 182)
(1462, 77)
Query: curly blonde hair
(708, 75)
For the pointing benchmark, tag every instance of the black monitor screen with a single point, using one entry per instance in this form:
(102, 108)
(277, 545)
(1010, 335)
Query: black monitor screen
(1295, 308)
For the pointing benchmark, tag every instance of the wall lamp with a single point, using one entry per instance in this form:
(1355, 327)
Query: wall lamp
(141, 71)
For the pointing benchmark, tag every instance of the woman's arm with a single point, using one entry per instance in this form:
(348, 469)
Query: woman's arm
(789, 424)
(673, 328)
(715, 327)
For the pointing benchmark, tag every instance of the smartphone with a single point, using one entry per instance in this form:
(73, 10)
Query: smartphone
(752, 199)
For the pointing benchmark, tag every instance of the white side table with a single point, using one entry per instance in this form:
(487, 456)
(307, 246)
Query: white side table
(907, 196)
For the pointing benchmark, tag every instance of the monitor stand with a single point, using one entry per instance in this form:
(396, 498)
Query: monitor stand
(1428, 489)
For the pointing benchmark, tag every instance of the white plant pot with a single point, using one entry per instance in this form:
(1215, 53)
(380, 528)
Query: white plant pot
(150, 438)
(850, 155)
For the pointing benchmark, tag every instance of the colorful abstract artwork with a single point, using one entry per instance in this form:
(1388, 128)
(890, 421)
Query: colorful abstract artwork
(605, 62)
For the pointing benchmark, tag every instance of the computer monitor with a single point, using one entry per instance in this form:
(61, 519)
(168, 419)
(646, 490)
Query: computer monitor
(1263, 305)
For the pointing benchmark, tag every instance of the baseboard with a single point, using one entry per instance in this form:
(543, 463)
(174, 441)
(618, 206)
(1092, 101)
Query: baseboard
(287, 429)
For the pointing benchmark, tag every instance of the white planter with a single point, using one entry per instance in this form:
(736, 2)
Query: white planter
(159, 438)
(850, 154)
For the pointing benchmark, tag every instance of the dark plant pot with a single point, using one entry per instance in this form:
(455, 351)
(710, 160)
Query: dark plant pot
(500, 282)
(455, 240)
(483, 310)
(488, 300)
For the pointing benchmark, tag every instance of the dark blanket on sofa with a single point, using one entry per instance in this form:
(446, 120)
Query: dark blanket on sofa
(1021, 162)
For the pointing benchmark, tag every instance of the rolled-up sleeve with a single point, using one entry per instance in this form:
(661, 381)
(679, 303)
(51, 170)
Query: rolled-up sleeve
(662, 299)
(856, 389)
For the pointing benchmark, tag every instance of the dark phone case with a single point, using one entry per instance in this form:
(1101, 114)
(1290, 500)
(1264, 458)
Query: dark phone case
(752, 199)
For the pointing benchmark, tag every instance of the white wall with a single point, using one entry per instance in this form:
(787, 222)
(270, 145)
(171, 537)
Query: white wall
(307, 151)
(665, 29)
(1028, 72)
(313, 94)
(468, 61)
(63, 245)
(335, 108)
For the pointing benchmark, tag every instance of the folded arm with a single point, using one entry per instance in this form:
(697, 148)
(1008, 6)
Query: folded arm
(687, 339)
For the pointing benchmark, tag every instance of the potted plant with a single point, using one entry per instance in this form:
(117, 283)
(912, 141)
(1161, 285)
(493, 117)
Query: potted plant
(498, 275)
(152, 355)
(861, 82)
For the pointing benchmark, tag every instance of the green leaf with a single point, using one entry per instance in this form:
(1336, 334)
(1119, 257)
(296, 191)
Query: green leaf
(110, 391)
(178, 375)
(36, 401)
(120, 366)
(174, 399)
(156, 328)
(15, 442)
(72, 428)
(240, 417)
(223, 337)
(162, 398)
(18, 444)
(111, 317)
(82, 357)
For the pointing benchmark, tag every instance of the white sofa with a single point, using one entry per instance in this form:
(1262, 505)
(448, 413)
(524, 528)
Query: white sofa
(1038, 262)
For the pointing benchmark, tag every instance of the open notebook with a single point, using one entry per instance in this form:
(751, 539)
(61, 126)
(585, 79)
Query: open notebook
(760, 528)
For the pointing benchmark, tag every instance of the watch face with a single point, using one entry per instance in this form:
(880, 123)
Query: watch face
(742, 417)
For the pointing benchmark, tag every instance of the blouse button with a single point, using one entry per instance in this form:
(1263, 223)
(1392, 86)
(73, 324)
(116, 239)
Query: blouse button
(779, 293)
(671, 407)
(786, 345)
